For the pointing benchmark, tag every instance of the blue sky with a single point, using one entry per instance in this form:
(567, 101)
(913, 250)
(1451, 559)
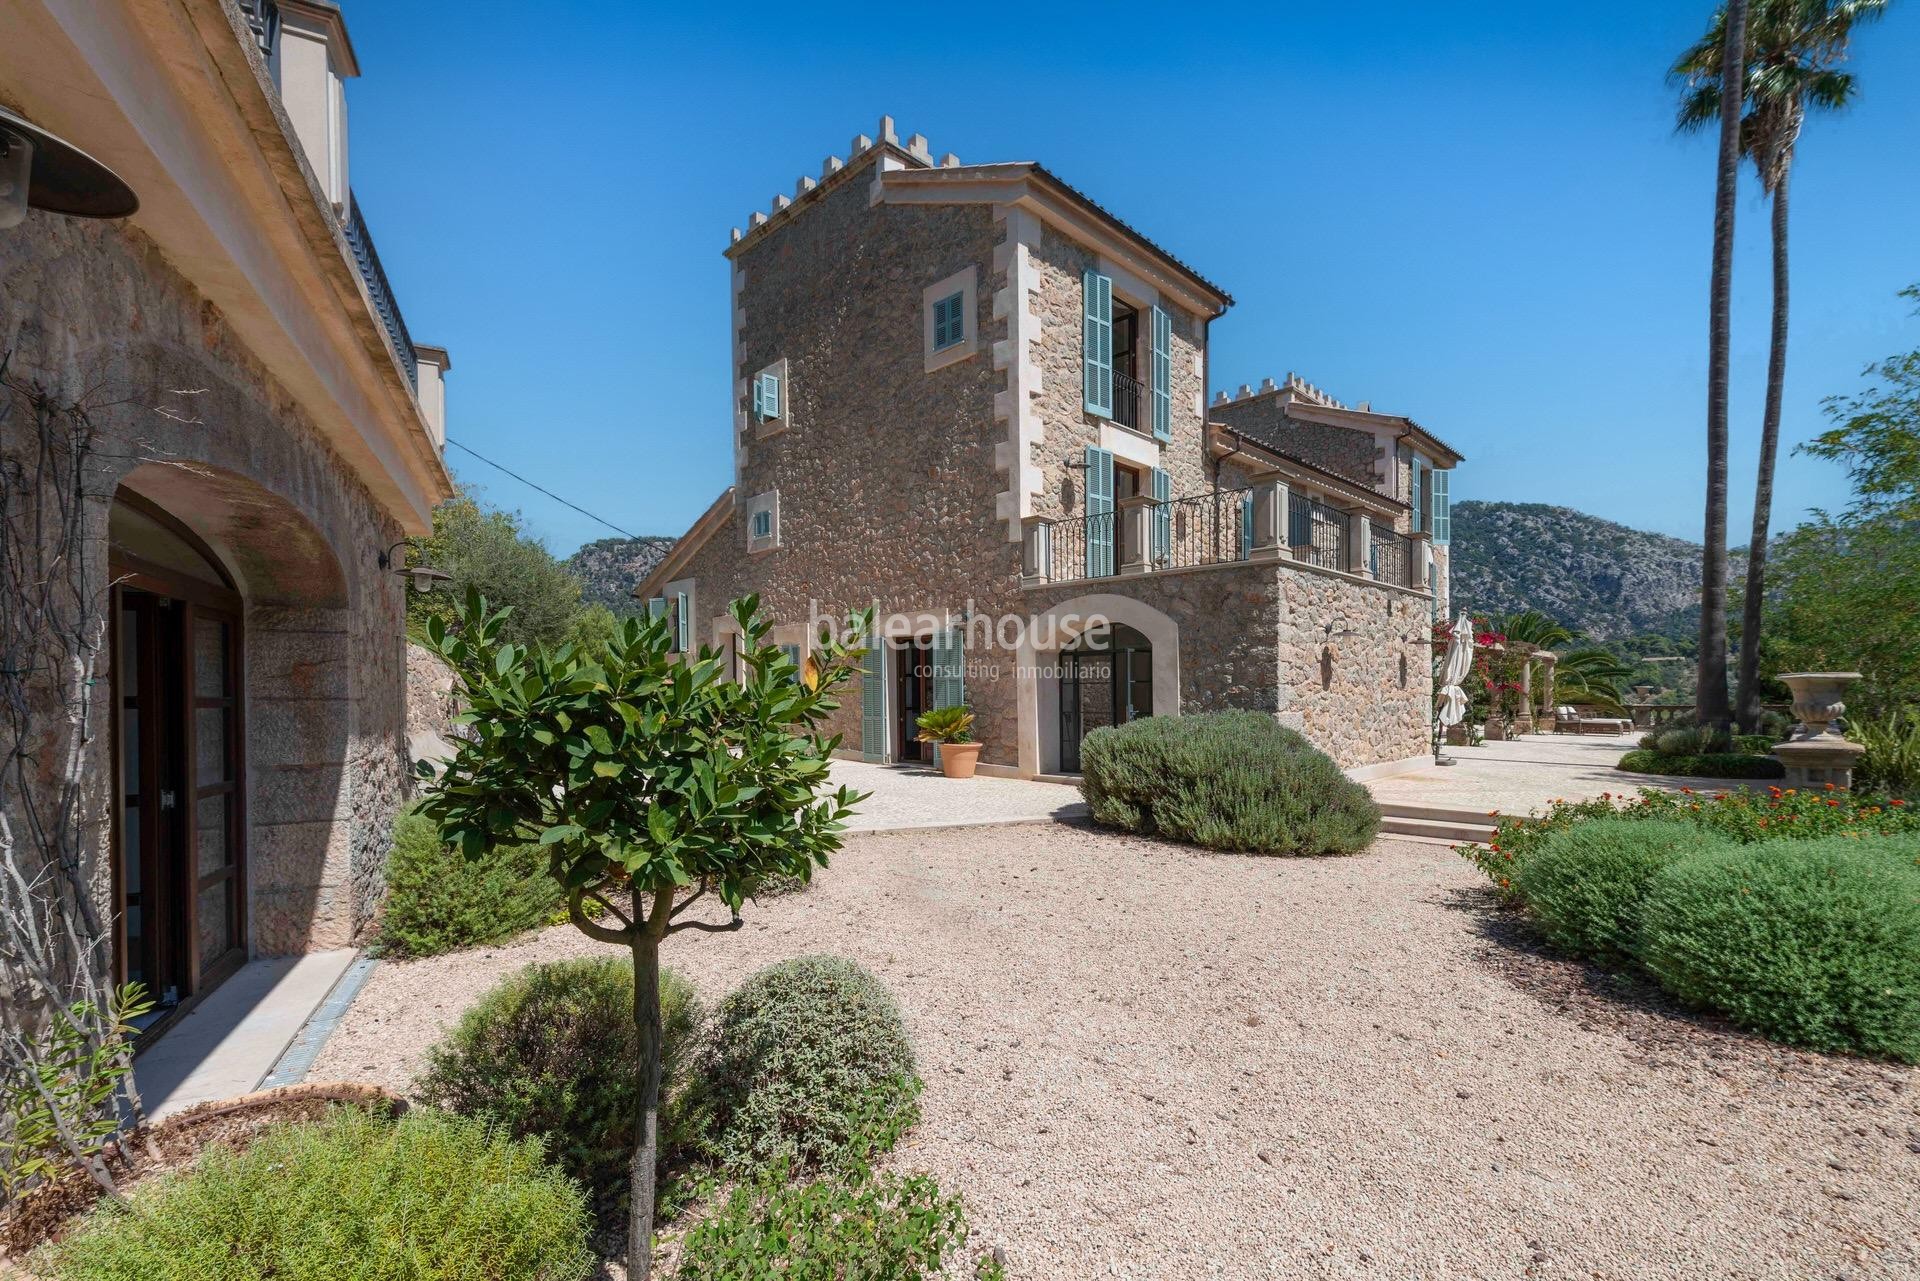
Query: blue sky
(1475, 214)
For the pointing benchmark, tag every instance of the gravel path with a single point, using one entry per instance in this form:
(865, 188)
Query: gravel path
(1144, 1061)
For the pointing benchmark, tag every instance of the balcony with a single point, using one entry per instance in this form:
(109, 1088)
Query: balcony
(384, 302)
(1128, 397)
(1144, 536)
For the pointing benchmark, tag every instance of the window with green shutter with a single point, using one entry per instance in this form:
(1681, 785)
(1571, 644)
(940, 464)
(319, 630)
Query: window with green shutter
(1162, 374)
(1162, 550)
(873, 700)
(1246, 525)
(682, 624)
(766, 395)
(1097, 343)
(1442, 507)
(949, 321)
(656, 606)
(1415, 468)
(1099, 512)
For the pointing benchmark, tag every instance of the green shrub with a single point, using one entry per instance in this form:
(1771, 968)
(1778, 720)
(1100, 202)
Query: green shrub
(1815, 943)
(346, 1198)
(549, 1053)
(1754, 744)
(1690, 740)
(1742, 815)
(1585, 885)
(852, 1224)
(1892, 761)
(1713, 765)
(1236, 781)
(438, 901)
(804, 1058)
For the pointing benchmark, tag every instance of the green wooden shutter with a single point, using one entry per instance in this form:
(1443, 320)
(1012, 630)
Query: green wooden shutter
(1097, 343)
(1419, 495)
(1442, 525)
(1246, 524)
(1162, 549)
(1099, 512)
(682, 623)
(757, 412)
(770, 395)
(1162, 374)
(873, 700)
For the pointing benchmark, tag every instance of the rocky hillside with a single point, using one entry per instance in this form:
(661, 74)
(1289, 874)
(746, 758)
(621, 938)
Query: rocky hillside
(1603, 578)
(611, 568)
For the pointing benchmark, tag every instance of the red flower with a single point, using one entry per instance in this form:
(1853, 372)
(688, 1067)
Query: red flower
(1896, 801)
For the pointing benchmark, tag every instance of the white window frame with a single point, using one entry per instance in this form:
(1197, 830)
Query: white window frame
(769, 503)
(764, 427)
(966, 283)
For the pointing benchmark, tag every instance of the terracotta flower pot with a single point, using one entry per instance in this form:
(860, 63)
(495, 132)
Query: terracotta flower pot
(957, 760)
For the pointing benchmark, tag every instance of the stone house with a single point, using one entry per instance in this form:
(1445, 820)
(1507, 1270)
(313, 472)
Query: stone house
(973, 398)
(265, 434)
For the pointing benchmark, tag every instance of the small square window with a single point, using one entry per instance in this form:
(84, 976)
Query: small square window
(763, 521)
(763, 524)
(949, 321)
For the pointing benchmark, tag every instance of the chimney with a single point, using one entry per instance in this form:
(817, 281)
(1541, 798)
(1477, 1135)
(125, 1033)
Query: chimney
(433, 364)
(313, 66)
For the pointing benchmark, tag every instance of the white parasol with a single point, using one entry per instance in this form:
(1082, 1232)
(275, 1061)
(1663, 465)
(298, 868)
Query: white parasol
(1453, 699)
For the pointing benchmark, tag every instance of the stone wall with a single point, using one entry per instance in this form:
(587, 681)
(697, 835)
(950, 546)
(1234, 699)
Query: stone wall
(1059, 307)
(886, 475)
(1341, 450)
(1255, 636)
(195, 424)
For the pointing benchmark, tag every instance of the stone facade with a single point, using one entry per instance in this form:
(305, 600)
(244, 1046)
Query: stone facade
(909, 484)
(1271, 637)
(192, 422)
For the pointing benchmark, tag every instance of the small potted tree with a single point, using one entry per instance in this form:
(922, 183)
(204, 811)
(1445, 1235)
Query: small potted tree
(952, 729)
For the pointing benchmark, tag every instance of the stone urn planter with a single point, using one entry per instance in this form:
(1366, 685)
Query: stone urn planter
(959, 760)
(1816, 754)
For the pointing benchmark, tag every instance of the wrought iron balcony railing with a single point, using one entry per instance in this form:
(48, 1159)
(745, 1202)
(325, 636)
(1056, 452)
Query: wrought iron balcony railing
(1317, 533)
(1390, 556)
(1128, 397)
(384, 302)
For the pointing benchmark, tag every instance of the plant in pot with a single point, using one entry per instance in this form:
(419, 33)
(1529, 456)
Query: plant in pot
(952, 729)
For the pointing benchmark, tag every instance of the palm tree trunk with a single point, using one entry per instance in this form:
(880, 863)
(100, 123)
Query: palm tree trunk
(1747, 701)
(1711, 701)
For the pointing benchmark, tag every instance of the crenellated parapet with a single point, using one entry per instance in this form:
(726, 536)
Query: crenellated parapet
(915, 150)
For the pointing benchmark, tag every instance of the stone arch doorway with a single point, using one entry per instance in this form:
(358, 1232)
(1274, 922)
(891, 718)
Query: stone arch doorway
(1151, 637)
(1106, 678)
(232, 675)
(179, 822)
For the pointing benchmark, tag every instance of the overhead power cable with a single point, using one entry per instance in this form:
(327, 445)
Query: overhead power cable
(542, 488)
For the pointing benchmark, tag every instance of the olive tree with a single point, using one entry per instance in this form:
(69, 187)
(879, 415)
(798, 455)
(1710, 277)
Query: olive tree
(654, 781)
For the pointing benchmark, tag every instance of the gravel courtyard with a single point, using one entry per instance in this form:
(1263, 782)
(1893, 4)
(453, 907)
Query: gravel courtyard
(1149, 1062)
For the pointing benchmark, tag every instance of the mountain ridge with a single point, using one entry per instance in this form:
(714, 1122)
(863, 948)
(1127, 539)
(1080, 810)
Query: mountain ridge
(1609, 580)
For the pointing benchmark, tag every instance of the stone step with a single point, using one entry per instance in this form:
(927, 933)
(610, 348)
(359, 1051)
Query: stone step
(1436, 822)
(1439, 813)
(1452, 833)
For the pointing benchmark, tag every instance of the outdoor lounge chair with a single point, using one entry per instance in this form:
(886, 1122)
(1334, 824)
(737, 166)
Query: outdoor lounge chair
(1569, 720)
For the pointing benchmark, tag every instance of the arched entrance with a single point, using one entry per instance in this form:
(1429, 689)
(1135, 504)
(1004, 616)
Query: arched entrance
(1058, 661)
(1106, 678)
(179, 858)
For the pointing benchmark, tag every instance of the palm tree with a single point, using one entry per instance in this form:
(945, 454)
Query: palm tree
(1793, 48)
(1712, 699)
(1591, 676)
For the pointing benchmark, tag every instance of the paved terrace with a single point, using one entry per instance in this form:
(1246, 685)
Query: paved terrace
(1522, 776)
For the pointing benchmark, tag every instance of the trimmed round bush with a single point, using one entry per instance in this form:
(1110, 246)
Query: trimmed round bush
(805, 1058)
(550, 1052)
(350, 1197)
(1236, 781)
(1712, 765)
(438, 901)
(1815, 943)
(1585, 885)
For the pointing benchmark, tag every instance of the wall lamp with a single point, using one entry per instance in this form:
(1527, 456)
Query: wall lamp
(423, 577)
(41, 171)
